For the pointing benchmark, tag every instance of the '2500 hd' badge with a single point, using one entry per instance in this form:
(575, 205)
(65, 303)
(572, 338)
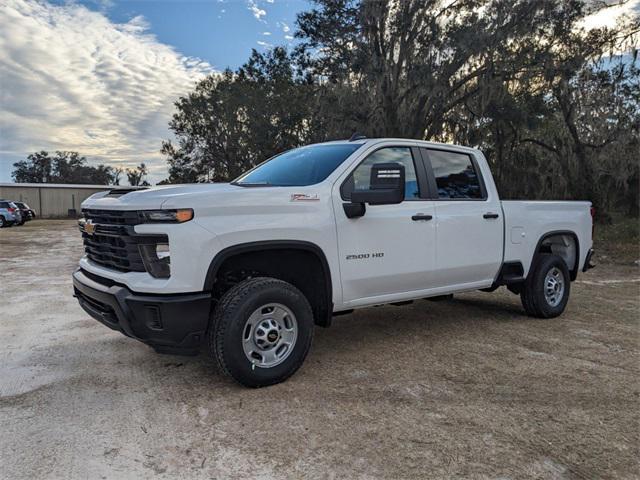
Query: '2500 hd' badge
(364, 256)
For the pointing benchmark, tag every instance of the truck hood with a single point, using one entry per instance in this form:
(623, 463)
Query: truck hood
(215, 198)
(168, 196)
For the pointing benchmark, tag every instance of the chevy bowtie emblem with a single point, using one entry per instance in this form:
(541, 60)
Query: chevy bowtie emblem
(89, 228)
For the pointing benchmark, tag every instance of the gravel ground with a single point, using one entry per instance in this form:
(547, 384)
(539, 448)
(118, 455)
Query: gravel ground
(464, 388)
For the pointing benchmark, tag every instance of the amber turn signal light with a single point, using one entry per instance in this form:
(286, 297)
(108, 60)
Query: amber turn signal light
(184, 215)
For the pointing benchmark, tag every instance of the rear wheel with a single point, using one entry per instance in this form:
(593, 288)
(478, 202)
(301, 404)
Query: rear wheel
(546, 291)
(261, 331)
(3, 222)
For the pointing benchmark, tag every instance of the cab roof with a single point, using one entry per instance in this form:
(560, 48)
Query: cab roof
(373, 141)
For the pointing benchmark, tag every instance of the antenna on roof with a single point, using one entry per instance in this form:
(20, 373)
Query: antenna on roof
(357, 136)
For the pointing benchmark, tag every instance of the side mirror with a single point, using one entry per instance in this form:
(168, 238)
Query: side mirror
(386, 187)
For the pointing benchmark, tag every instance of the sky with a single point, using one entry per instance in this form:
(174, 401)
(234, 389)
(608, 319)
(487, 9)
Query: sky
(101, 76)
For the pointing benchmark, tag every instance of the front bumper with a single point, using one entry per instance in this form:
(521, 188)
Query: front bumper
(169, 323)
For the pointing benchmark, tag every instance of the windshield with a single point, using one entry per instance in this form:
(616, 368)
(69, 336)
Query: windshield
(298, 167)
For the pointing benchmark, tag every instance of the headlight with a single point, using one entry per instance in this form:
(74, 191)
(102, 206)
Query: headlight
(156, 259)
(167, 216)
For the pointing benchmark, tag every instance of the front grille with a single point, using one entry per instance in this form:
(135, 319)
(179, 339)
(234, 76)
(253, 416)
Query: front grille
(112, 217)
(117, 252)
(114, 244)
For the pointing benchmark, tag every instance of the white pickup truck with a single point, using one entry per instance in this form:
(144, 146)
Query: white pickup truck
(245, 269)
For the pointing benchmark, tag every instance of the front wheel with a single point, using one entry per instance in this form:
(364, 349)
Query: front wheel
(3, 222)
(261, 331)
(546, 291)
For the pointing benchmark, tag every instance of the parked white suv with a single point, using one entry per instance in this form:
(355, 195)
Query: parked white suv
(248, 267)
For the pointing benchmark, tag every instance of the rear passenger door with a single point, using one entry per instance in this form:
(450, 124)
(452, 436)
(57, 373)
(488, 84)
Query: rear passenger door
(469, 231)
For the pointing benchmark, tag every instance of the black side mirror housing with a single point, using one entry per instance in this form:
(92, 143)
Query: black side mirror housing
(354, 210)
(386, 188)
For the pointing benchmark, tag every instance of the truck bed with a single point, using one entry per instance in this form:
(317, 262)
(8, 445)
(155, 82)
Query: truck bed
(526, 222)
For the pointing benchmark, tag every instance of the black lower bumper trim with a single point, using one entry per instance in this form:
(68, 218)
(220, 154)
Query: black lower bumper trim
(587, 261)
(175, 323)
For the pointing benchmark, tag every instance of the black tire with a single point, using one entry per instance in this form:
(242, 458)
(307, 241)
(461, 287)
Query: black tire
(3, 223)
(533, 296)
(228, 326)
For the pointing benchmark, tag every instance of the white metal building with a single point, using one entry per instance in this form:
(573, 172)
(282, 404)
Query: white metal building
(50, 199)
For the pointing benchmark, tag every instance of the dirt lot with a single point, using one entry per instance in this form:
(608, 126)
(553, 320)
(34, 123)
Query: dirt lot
(465, 388)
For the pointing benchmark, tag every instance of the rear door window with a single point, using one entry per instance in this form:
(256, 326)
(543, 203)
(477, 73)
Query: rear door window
(455, 175)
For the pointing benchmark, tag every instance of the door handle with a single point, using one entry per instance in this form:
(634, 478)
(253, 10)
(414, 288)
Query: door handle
(490, 215)
(421, 216)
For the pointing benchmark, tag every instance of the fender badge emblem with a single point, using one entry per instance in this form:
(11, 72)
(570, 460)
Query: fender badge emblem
(303, 197)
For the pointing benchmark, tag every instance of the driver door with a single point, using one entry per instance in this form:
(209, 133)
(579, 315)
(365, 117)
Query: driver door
(391, 248)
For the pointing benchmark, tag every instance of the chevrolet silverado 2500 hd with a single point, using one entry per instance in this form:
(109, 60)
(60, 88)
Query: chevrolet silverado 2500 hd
(245, 269)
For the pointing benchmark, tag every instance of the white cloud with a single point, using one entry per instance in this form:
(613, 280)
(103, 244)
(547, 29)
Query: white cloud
(266, 33)
(264, 44)
(70, 79)
(285, 27)
(257, 11)
(607, 17)
(288, 37)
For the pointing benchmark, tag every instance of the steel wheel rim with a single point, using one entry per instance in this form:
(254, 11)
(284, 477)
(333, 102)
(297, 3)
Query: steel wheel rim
(269, 335)
(554, 287)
